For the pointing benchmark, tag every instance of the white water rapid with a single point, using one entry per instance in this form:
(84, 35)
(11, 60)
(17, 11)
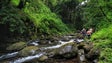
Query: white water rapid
(9, 55)
(24, 59)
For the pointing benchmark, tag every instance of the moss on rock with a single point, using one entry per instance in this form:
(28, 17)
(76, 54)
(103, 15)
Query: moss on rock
(30, 50)
(43, 58)
(17, 46)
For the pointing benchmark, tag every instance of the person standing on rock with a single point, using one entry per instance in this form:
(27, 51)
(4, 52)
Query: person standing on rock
(83, 32)
(89, 32)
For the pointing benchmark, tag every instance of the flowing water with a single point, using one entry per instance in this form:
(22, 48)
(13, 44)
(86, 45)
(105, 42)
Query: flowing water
(35, 43)
(24, 59)
(9, 55)
(59, 45)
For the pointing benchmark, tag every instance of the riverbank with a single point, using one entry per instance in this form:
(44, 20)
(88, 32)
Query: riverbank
(64, 49)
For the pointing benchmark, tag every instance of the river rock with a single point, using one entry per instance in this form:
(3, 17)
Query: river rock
(88, 47)
(30, 50)
(17, 46)
(43, 42)
(43, 58)
(67, 50)
(81, 56)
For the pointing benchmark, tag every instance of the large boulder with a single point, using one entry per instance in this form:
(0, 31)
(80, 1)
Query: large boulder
(86, 46)
(81, 56)
(30, 50)
(66, 50)
(16, 46)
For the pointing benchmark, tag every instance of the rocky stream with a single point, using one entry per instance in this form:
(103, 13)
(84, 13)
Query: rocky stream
(66, 49)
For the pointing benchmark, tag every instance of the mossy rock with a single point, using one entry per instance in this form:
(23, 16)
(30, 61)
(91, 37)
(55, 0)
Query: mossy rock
(69, 47)
(30, 50)
(43, 58)
(69, 50)
(17, 46)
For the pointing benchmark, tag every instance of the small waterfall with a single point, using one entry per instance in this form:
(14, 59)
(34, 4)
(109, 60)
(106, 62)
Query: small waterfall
(9, 55)
(21, 60)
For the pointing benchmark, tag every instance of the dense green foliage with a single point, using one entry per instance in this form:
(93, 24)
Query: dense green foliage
(13, 18)
(97, 14)
(32, 17)
(103, 40)
(105, 33)
(46, 21)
